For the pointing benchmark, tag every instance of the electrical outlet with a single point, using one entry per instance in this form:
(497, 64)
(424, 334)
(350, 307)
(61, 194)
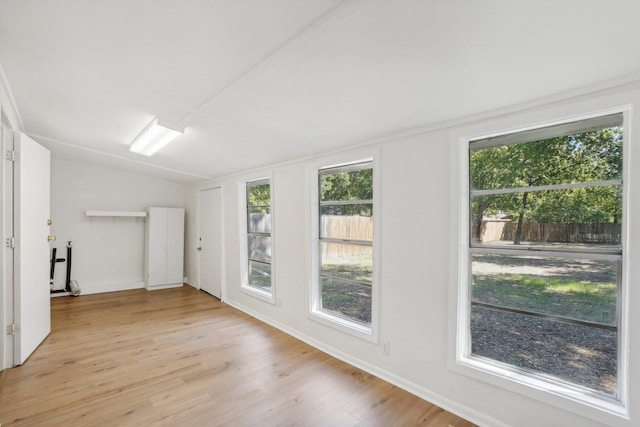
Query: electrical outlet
(385, 347)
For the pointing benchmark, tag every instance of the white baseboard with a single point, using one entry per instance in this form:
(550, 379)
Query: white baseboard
(99, 289)
(61, 294)
(167, 286)
(445, 403)
(186, 282)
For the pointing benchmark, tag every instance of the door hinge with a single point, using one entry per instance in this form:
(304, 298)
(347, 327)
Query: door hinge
(11, 242)
(11, 155)
(11, 329)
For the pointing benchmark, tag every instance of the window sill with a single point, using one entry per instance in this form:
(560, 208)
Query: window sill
(344, 325)
(267, 297)
(572, 399)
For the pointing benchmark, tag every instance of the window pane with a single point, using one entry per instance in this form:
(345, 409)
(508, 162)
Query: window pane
(259, 248)
(259, 220)
(347, 261)
(578, 217)
(553, 315)
(352, 222)
(583, 355)
(579, 289)
(260, 275)
(346, 213)
(350, 185)
(259, 194)
(584, 157)
(349, 300)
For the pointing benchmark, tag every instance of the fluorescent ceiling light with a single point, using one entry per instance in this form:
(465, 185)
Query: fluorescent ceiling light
(155, 136)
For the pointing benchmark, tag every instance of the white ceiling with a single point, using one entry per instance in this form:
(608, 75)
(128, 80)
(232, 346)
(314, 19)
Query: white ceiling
(257, 82)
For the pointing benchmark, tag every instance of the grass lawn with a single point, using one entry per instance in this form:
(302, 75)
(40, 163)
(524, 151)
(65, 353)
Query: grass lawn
(592, 302)
(348, 299)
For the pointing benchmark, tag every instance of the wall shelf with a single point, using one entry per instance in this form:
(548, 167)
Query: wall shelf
(116, 213)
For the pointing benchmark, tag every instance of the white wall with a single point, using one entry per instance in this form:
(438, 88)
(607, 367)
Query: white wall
(419, 273)
(108, 252)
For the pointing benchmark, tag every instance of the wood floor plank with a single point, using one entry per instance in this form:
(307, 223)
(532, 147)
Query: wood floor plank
(180, 357)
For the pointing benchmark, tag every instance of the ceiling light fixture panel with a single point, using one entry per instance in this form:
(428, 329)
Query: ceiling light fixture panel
(155, 136)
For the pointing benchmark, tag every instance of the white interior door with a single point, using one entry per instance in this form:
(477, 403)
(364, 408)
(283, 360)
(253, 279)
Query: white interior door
(32, 310)
(210, 241)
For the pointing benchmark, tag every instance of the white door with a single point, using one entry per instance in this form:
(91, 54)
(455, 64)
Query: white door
(175, 246)
(156, 247)
(32, 315)
(210, 241)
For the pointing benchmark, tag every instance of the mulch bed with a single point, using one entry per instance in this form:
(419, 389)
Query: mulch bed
(582, 355)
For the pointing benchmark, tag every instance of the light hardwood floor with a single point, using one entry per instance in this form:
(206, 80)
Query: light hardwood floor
(179, 357)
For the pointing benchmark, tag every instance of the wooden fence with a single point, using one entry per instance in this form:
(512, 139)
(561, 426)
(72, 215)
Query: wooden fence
(500, 229)
(347, 227)
(492, 230)
(338, 226)
(260, 222)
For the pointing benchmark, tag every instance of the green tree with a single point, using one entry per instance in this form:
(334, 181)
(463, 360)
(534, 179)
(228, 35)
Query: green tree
(354, 185)
(581, 157)
(259, 197)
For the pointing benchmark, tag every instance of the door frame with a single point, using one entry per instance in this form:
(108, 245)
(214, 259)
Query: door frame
(7, 344)
(199, 235)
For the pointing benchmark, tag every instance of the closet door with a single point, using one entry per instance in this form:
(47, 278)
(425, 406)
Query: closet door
(175, 246)
(157, 223)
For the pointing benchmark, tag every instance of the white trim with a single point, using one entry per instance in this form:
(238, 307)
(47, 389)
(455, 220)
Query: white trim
(166, 286)
(534, 251)
(190, 283)
(624, 295)
(258, 293)
(353, 328)
(6, 254)
(535, 188)
(547, 391)
(546, 132)
(115, 287)
(569, 398)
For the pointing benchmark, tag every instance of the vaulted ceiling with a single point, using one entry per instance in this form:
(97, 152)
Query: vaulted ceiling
(257, 82)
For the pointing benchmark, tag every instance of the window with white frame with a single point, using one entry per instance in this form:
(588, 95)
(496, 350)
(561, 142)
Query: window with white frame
(259, 238)
(544, 290)
(345, 244)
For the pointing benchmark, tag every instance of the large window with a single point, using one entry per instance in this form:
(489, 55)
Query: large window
(259, 239)
(545, 254)
(345, 244)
